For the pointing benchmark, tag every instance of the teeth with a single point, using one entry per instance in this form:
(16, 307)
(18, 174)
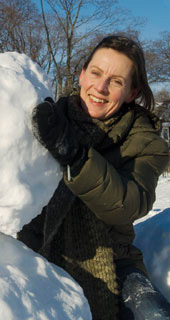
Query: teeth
(97, 99)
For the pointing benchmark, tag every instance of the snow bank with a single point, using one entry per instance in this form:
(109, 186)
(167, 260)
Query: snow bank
(31, 288)
(28, 174)
(153, 238)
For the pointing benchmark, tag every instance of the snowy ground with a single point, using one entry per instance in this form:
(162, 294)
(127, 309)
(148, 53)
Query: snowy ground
(153, 238)
(31, 288)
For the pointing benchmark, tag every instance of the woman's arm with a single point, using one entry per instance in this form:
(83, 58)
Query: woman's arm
(120, 196)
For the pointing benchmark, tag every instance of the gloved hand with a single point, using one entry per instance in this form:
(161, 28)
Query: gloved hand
(49, 99)
(51, 128)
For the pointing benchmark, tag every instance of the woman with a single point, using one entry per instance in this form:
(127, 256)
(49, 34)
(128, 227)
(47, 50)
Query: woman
(112, 156)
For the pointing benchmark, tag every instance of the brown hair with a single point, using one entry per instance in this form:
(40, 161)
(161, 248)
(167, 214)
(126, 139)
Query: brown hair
(134, 52)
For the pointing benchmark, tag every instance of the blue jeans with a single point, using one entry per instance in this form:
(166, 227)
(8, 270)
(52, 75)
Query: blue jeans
(140, 300)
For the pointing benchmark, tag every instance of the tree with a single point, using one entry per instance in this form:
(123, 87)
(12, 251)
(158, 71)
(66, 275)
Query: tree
(162, 95)
(162, 109)
(60, 39)
(79, 22)
(21, 29)
(158, 59)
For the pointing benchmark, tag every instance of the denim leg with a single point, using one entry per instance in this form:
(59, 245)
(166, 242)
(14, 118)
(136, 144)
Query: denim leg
(140, 300)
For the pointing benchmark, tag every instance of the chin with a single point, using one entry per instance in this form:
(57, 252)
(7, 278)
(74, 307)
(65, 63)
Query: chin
(93, 115)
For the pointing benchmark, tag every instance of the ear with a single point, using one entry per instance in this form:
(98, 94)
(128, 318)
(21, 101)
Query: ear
(81, 76)
(132, 96)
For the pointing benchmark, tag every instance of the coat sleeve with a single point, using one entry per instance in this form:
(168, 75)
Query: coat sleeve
(119, 197)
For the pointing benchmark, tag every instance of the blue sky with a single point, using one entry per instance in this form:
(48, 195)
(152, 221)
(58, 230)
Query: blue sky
(157, 13)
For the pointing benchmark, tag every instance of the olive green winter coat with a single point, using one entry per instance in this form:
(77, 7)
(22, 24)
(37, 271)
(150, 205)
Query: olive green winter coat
(118, 184)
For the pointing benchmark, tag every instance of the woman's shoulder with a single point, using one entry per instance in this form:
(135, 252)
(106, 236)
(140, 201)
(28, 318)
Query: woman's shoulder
(146, 121)
(145, 133)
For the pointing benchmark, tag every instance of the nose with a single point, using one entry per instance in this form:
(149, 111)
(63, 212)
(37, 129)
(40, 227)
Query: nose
(102, 86)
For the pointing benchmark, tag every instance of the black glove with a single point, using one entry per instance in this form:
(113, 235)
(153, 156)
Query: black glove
(51, 128)
(49, 99)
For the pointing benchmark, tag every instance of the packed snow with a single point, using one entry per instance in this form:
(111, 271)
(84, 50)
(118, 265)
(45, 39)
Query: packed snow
(28, 174)
(31, 288)
(153, 238)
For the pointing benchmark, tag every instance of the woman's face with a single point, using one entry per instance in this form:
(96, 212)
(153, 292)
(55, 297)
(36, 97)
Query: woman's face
(106, 83)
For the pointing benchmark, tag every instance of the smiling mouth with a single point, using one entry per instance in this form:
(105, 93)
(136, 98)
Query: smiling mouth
(98, 100)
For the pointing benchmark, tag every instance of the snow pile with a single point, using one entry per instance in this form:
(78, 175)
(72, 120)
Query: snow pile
(28, 174)
(32, 288)
(153, 238)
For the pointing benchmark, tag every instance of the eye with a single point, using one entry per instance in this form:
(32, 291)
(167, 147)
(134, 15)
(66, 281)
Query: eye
(95, 72)
(117, 81)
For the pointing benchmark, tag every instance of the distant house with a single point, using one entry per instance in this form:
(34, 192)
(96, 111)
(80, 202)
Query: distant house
(166, 132)
(162, 109)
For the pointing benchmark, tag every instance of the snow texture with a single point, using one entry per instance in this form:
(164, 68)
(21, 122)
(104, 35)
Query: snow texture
(28, 174)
